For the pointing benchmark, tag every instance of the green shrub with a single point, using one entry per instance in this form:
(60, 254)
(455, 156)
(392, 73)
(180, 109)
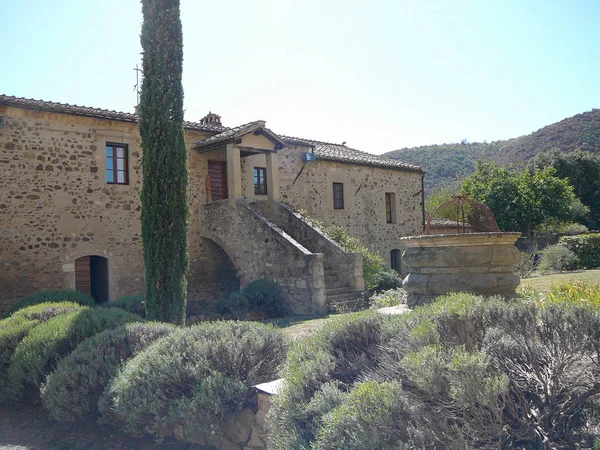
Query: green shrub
(585, 247)
(14, 329)
(54, 297)
(193, 378)
(556, 257)
(234, 305)
(71, 392)
(373, 416)
(265, 296)
(373, 263)
(387, 279)
(37, 354)
(131, 303)
(475, 373)
(385, 299)
(339, 354)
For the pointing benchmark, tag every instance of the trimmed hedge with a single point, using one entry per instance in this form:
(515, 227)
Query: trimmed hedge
(16, 327)
(72, 391)
(37, 354)
(193, 378)
(586, 248)
(134, 304)
(234, 305)
(53, 296)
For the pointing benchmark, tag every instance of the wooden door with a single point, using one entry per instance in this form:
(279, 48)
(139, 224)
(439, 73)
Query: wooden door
(217, 172)
(83, 275)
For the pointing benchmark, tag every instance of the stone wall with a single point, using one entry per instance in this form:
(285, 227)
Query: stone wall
(348, 266)
(480, 263)
(364, 196)
(55, 204)
(259, 249)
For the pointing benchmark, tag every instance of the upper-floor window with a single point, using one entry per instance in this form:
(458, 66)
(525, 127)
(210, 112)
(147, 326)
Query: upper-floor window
(338, 195)
(260, 180)
(390, 207)
(117, 165)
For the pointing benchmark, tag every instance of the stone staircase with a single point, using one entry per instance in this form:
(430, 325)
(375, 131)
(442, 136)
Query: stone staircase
(339, 296)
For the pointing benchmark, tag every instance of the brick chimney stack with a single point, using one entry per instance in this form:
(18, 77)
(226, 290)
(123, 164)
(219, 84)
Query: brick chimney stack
(211, 119)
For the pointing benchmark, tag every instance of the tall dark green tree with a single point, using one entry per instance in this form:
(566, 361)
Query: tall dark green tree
(164, 193)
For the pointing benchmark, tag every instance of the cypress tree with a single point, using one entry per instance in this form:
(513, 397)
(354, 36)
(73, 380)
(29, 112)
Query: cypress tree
(164, 162)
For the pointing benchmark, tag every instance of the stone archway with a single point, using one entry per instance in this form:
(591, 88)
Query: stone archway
(91, 277)
(212, 273)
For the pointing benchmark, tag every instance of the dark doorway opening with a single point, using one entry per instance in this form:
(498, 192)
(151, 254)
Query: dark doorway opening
(91, 277)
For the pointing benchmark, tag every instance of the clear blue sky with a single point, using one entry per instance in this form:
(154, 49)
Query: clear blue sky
(378, 74)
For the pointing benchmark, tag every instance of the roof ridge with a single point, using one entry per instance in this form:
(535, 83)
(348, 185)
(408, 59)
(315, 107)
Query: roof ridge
(93, 112)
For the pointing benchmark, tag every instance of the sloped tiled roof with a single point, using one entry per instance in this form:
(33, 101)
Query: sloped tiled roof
(341, 153)
(322, 150)
(43, 105)
(236, 132)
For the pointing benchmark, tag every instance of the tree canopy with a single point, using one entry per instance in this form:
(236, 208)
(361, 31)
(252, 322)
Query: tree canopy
(521, 200)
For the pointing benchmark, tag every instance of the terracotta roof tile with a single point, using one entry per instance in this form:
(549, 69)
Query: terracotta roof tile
(43, 105)
(323, 150)
(342, 153)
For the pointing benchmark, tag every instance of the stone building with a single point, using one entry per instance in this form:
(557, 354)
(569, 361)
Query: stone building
(70, 181)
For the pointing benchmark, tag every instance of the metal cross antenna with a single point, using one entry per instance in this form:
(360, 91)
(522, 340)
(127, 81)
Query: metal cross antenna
(137, 82)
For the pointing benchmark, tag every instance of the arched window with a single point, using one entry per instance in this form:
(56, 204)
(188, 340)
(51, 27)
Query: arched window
(395, 259)
(91, 277)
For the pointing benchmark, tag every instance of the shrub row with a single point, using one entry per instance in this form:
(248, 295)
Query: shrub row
(145, 377)
(53, 296)
(464, 372)
(36, 355)
(585, 247)
(16, 327)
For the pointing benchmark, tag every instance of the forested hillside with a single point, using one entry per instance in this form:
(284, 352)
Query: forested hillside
(448, 163)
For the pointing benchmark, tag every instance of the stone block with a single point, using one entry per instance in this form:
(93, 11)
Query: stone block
(226, 444)
(415, 283)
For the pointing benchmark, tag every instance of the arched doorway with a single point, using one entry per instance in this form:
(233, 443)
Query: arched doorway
(395, 260)
(91, 277)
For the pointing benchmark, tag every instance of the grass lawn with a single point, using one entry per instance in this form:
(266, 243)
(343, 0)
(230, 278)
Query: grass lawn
(300, 327)
(543, 283)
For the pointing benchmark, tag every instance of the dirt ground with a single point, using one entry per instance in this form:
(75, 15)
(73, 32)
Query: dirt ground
(28, 428)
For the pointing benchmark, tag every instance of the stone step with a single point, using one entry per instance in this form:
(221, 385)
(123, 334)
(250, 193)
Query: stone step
(330, 278)
(337, 290)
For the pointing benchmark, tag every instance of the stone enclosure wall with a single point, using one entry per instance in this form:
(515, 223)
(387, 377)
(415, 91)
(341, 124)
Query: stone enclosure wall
(480, 263)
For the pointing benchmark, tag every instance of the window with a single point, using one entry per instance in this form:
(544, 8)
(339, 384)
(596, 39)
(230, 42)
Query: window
(390, 207)
(260, 180)
(338, 195)
(395, 259)
(117, 164)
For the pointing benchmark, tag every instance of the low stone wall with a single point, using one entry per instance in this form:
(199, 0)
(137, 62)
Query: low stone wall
(260, 249)
(480, 263)
(243, 430)
(349, 266)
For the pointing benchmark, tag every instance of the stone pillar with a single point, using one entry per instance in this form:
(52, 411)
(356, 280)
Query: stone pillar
(272, 176)
(234, 174)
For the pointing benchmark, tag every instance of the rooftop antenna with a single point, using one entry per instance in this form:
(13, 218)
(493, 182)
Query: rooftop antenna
(137, 83)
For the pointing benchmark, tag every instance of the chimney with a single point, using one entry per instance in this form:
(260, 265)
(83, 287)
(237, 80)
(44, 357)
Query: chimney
(211, 119)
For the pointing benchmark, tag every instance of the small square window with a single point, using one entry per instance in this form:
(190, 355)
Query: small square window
(117, 164)
(390, 207)
(260, 181)
(338, 195)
